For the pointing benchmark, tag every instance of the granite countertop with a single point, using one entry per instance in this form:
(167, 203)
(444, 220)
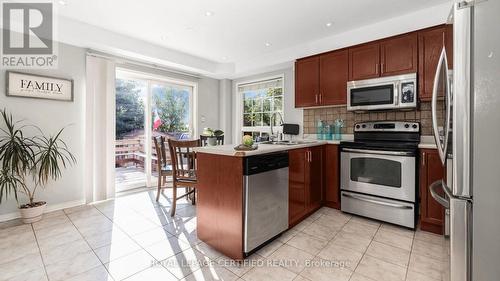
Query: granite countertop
(427, 142)
(228, 150)
(308, 139)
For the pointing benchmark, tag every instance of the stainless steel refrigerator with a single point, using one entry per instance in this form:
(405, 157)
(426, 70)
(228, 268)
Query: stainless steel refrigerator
(468, 138)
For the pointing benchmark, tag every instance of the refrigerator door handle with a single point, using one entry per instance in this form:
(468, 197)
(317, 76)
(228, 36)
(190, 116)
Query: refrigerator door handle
(444, 201)
(442, 146)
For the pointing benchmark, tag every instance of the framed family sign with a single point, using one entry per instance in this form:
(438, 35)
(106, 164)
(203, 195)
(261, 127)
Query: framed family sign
(37, 86)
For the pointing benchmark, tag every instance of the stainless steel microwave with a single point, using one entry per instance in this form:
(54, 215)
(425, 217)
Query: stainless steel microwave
(392, 92)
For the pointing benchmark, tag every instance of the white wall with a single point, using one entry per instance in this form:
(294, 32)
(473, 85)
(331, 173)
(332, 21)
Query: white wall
(225, 109)
(290, 113)
(50, 116)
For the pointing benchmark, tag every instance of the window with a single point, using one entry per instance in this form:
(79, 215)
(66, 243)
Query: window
(171, 107)
(261, 100)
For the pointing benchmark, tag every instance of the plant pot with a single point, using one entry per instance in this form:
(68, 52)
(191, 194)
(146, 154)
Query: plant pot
(32, 214)
(212, 141)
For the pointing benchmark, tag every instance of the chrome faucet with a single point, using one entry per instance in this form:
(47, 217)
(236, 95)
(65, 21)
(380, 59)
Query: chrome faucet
(273, 118)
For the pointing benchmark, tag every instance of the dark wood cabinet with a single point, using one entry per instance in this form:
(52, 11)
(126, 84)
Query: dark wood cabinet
(219, 205)
(431, 212)
(297, 202)
(431, 42)
(315, 178)
(399, 55)
(307, 82)
(364, 61)
(332, 176)
(305, 182)
(333, 76)
(448, 43)
(321, 80)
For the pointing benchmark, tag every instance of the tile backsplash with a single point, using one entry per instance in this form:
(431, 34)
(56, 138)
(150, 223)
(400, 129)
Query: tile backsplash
(422, 114)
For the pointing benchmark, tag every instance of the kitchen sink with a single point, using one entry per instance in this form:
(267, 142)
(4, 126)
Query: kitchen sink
(286, 142)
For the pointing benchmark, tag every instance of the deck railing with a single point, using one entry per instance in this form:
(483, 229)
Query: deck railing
(132, 151)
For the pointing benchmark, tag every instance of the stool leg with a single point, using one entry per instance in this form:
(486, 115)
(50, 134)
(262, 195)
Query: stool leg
(193, 201)
(174, 199)
(159, 189)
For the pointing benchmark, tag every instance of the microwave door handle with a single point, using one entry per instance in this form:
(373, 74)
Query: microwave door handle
(437, 77)
(396, 93)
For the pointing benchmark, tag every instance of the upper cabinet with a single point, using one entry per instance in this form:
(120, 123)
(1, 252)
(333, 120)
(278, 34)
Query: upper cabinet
(398, 55)
(431, 42)
(333, 72)
(307, 82)
(392, 56)
(321, 80)
(364, 61)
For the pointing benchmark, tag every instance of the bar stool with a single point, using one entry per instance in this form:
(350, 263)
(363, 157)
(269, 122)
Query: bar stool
(184, 169)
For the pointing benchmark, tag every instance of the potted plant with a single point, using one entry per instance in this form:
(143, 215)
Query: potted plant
(212, 135)
(27, 163)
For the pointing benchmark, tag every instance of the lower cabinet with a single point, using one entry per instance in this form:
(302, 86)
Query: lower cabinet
(297, 204)
(305, 182)
(431, 212)
(332, 176)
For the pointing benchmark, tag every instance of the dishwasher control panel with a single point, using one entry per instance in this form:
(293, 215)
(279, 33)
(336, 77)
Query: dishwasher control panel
(265, 162)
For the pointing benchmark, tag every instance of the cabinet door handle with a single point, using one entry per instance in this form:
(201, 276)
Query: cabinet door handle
(316, 97)
(376, 68)
(423, 158)
(320, 98)
(382, 68)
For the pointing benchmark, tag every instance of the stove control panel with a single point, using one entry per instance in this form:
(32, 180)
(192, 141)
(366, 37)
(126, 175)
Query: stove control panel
(390, 126)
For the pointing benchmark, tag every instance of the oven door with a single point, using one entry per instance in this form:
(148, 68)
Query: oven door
(389, 174)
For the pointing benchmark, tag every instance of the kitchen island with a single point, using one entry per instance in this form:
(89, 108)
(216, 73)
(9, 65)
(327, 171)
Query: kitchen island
(221, 193)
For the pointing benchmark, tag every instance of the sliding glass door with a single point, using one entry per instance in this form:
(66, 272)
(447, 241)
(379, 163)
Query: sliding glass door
(147, 107)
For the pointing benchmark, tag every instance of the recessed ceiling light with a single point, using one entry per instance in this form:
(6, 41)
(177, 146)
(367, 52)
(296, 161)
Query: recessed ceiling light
(267, 44)
(209, 13)
(62, 2)
(328, 24)
(164, 37)
(224, 58)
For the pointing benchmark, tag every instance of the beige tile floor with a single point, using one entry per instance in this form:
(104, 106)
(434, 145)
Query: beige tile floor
(134, 238)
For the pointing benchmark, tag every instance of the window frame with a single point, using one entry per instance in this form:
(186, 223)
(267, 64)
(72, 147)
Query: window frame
(239, 128)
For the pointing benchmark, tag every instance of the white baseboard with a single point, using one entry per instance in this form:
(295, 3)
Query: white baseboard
(50, 208)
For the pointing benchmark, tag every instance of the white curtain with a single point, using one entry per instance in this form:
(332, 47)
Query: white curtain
(100, 130)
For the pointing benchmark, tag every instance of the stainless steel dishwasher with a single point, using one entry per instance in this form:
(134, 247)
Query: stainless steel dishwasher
(266, 198)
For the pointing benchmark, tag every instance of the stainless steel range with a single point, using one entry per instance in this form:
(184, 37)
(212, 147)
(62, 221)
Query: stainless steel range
(379, 170)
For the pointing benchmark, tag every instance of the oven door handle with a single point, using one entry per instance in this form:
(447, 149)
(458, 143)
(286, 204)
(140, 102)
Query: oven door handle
(379, 152)
(376, 201)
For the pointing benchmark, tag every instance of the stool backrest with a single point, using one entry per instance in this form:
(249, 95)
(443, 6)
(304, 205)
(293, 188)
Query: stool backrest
(183, 158)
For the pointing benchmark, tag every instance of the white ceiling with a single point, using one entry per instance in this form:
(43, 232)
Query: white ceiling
(238, 30)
